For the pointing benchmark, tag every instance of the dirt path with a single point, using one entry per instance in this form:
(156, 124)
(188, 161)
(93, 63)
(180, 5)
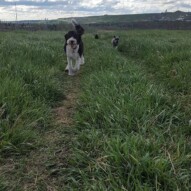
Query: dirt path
(64, 113)
(43, 168)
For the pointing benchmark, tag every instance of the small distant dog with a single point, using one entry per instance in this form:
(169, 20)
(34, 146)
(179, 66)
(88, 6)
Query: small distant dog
(96, 36)
(115, 41)
(74, 48)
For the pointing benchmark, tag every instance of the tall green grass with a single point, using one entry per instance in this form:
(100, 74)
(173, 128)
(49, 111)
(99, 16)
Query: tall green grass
(165, 53)
(30, 63)
(131, 133)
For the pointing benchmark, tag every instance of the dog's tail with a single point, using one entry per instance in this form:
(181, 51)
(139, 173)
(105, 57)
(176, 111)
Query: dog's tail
(74, 22)
(78, 27)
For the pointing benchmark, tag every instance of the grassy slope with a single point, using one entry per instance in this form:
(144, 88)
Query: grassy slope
(131, 129)
(128, 18)
(112, 18)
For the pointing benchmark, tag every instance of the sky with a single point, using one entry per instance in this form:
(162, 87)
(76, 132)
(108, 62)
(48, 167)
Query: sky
(53, 9)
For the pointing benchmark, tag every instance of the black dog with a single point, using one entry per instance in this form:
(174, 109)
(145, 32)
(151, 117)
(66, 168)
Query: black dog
(96, 36)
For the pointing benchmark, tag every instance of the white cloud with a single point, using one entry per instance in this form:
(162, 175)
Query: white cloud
(86, 3)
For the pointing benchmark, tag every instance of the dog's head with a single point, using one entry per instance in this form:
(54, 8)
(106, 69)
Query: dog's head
(72, 38)
(115, 41)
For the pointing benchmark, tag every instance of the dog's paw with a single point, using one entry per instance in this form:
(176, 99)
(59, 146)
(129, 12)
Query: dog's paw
(77, 68)
(71, 73)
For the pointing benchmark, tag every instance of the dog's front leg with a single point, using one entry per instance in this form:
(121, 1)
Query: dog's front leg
(78, 62)
(67, 68)
(70, 67)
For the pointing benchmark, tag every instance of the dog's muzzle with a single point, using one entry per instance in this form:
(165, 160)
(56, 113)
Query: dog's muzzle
(73, 44)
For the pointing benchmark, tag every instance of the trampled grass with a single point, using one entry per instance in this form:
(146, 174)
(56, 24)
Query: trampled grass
(131, 130)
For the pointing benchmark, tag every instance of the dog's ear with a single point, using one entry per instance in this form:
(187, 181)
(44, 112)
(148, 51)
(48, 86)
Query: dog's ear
(66, 36)
(114, 36)
(79, 29)
(78, 38)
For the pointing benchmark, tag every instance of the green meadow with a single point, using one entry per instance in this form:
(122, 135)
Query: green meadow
(131, 123)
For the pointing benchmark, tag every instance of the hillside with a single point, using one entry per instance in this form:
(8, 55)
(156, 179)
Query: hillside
(169, 20)
(168, 16)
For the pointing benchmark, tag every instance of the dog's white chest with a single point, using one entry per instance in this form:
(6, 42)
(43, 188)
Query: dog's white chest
(72, 53)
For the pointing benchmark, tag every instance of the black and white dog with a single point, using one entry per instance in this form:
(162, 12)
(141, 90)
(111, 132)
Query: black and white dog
(74, 48)
(115, 41)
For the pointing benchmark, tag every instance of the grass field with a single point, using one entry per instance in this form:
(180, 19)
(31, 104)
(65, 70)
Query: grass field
(131, 128)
